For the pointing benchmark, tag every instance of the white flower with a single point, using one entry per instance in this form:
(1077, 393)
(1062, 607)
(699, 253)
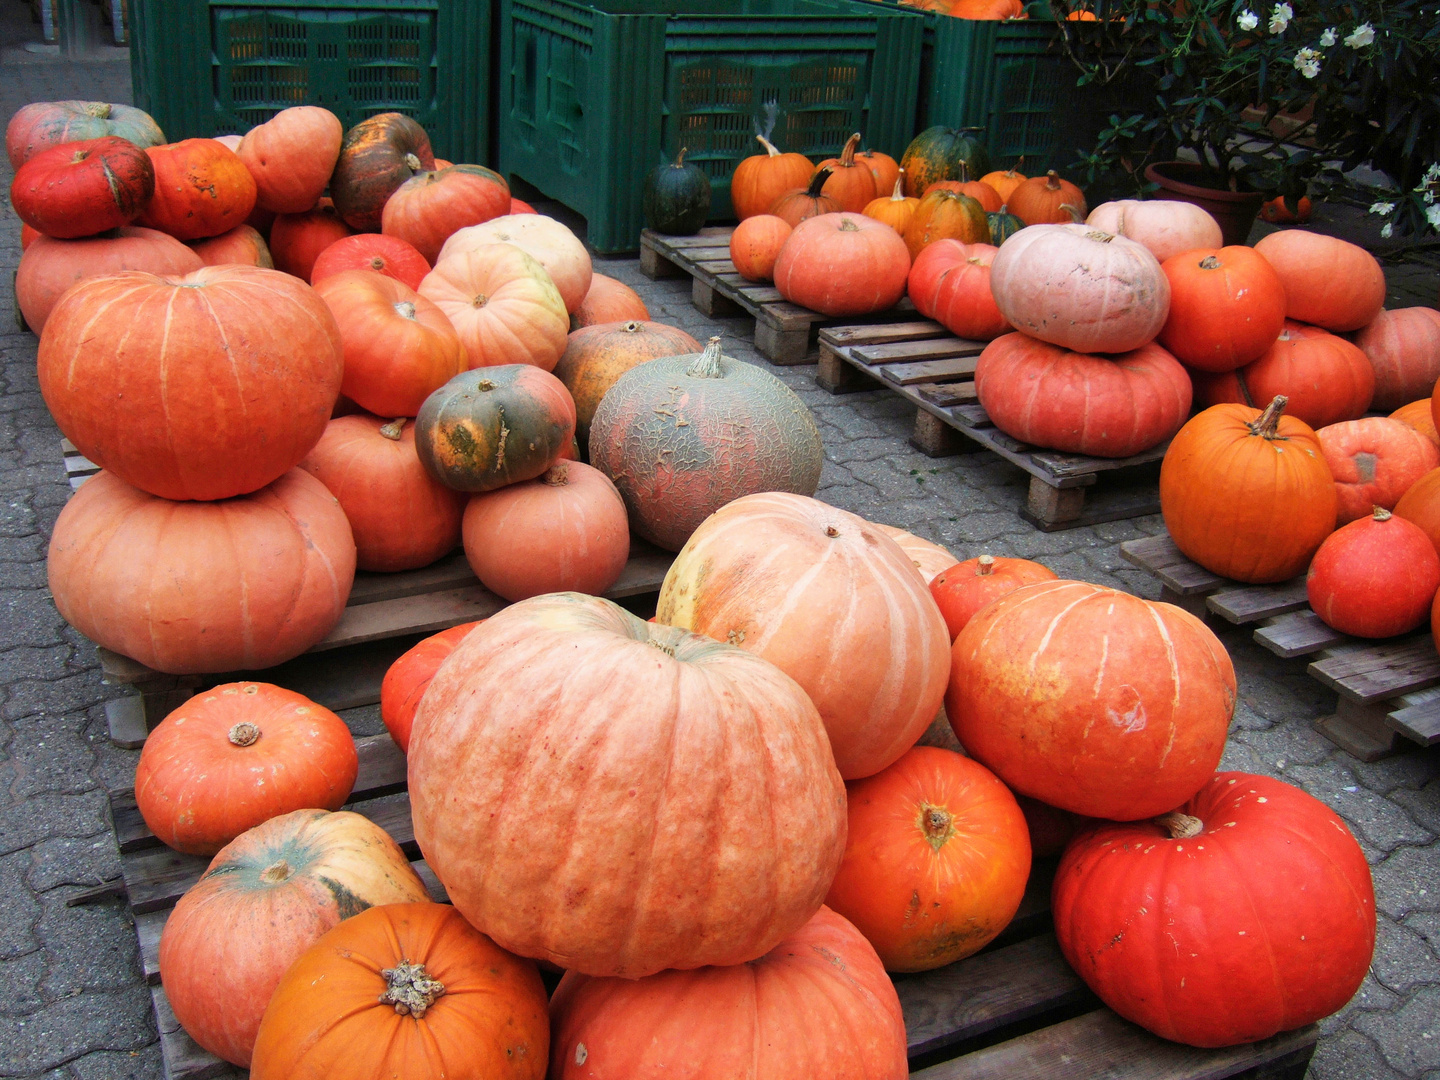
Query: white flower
(1382, 207)
(1307, 62)
(1328, 37)
(1248, 20)
(1362, 35)
(1280, 18)
(1387, 230)
(1432, 215)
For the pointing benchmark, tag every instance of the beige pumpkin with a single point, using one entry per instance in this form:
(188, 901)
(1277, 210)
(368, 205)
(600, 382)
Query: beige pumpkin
(1404, 348)
(544, 239)
(930, 559)
(1165, 226)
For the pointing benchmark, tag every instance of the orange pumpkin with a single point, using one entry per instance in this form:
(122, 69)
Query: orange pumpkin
(843, 264)
(1227, 307)
(201, 189)
(1005, 181)
(946, 215)
(409, 990)
(608, 300)
(1404, 348)
(1277, 212)
(850, 183)
(966, 587)
(884, 168)
(950, 283)
(1329, 282)
(1047, 200)
(291, 157)
(429, 208)
(895, 209)
(755, 245)
(1419, 415)
(978, 190)
(762, 178)
(799, 204)
(1420, 505)
(242, 245)
(544, 239)
(929, 559)
(388, 255)
(297, 240)
(407, 679)
(376, 156)
(596, 356)
(1374, 577)
(1374, 461)
(987, 9)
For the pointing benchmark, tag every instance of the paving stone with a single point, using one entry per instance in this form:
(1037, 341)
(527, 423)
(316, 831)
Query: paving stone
(76, 862)
(89, 947)
(52, 754)
(19, 908)
(142, 1064)
(1382, 823)
(49, 816)
(1403, 958)
(1406, 882)
(63, 1030)
(74, 693)
(1409, 1037)
(1350, 1056)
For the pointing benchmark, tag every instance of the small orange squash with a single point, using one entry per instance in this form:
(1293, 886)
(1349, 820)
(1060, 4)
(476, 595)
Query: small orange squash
(851, 183)
(1048, 200)
(755, 245)
(946, 215)
(895, 209)
(762, 178)
(798, 204)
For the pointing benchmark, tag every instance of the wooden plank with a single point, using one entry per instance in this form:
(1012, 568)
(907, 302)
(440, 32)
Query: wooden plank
(1381, 671)
(882, 333)
(1299, 634)
(1362, 731)
(450, 572)
(1160, 556)
(924, 349)
(421, 614)
(1251, 603)
(1060, 465)
(960, 367)
(944, 395)
(1419, 722)
(183, 1057)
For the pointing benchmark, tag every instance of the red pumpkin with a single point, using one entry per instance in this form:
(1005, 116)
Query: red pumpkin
(429, 208)
(544, 239)
(190, 587)
(201, 189)
(296, 240)
(1104, 406)
(1288, 923)
(83, 188)
(1280, 214)
(950, 283)
(1166, 226)
(376, 156)
(517, 206)
(755, 246)
(1374, 577)
(1329, 282)
(1404, 349)
(241, 245)
(850, 183)
(1374, 461)
(1421, 505)
(265, 899)
(762, 178)
(968, 586)
(199, 387)
(44, 124)
(291, 156)
(407, 679)
(606, 301)
(1047, 200)
(843, 264)
(400, 517)
(28, 236)
(1050, 829)
(1419, 415)
(1227, 306)
(740, 1023)
(236, 756)
(1090, 699)
(596, 356)
(388, 255)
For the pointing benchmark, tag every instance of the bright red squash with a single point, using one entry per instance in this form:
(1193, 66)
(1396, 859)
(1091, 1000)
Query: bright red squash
(950, 283)
(1227, 306)
(28, 236)
(236, 756)
(1329, 282)
(743, 1022)
(762, 178)
(966, 587)
(1050, 829)
(431, 207)
(850, 183)
(401, 518)
(388, 255)
(201, 189)
(265, 899)
(1090, 699)
(608, 300)
(376, 156)
(596, 356)
(755, 246)
(196, 387)
(1374, 577)
(1420, 416)
(1247, 911)
(878, 675)
(683, 751)
(936, 859)
(1374, 461)
(407, 679)
(843, 264)
(930, 559)
(517, 206)
(43, 124)
(1404, 348)
(242, 245)
(187, 587)
(1165, 226)
(83, 188)
(291, 156)
(297, 240)
(544, 239)
(408, 990)
(1047, 200)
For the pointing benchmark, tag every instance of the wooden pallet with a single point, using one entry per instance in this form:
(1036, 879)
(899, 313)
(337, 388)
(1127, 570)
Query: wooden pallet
(784, 332)
(935, 371)
(1386, 689)
(1015, 1010)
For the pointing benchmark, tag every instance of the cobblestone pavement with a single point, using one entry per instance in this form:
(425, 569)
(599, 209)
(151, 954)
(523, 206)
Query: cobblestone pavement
(72, 1001)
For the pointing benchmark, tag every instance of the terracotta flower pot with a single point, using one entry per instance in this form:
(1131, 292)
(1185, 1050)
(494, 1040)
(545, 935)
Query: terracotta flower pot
(1234, 210)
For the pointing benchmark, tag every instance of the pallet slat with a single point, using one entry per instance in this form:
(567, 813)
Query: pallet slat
(1252, 603)
(929, 371)
(1381, 672)
(1299, 634)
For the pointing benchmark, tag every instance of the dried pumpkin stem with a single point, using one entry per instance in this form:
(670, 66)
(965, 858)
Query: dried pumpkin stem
(1180, 826)
(394, 429)
(410, 989)
(847, 155)
(680, 158)
(276, 872)
(412, 162)
(558, 475)
(898, 195)
(244, 734)
(768, 145)
(1209, 262)
(1379, 513)
(707, 364)
(936, 825)
(405, 309)
(1267, 424)
(818, 181)
(985, 565)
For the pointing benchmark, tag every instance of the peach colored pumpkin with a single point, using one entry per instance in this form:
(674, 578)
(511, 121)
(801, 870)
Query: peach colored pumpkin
(1420, 416)
(243, 245)
(1374, 460)
(1166, 227)
(291, 156)
(1329, 282)
(1404, 348)
(431, 207)
(544, 239)
(606, 301)
(1420, 505)
(843, 264)
(755, 246)
(930, 559)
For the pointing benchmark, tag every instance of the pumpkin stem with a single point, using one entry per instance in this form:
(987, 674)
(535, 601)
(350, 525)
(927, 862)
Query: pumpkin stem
(244, 734)
(1052, 181)
(846, 225)
(276, 872)
(1015, 169)
(1266, 425)
(485, 385)
(1074, 212)
(1379, 513)
(405, 309)
(79, 156)
(768, 145)
(98, 109)
(831, 531)
(480, 301)
(1096, 234)
(631, 327)
(393, 429)
(412, 162)
(410, 989)
(1180, 826)
(818, 181)
(936, 825)
(964, 171)
(847, 155)
(707, 364)
(898, 195)
(558, 475)
(985, 565)
(680, 158)
(1209, 262)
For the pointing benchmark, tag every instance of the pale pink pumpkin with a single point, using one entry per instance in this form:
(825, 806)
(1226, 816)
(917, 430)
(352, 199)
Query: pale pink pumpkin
(1404, 347)
(544, 239)
(1165, 226)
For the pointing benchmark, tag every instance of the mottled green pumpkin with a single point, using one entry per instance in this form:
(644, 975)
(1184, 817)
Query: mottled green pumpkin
(941, 153)
(677, 198)
(684, 435)
(493, 426)
(43, 124)
(1003, 225)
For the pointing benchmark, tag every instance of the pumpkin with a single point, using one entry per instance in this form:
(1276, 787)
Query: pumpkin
(1374, 461)
(49, 267)
(388, 255)
(676, 197)
(196, 387)
(1247, 495)
(83, 188)
(201, 189)
(264, 900)
(291, 156)
(850, 183)
(562, 532)
(1419, 415)
(1404, 349)
(503, 305)
(28, 236)
(950, 283)
(884, 168)
(376, 156)
(191, 587)
(1329, 282)
(941, 153)
(1005, 181)
(1051, 829)
(608, 300)
(1227, 306)
(44, 124)
(683, 436)
(800, 204)
(895, 209)
(987, 9)
(1325, 378)
(429, 208)
(978, 190)
(1374, 577)
(1090, 699)
(740, 1023)
(407, 679)
(966, 587)
(1289, 913)
(230, 142)
(298, 240)
(936, 859)
(762, 178)
(408, 990)
(1075, 286)
(843, 264)
(930, 559)
(262, 221)
(877, 675)
(942, 214)
(598, 355)
(1420, 505)
(1003, 225)
(755, 246)
(493, 426)
(1166, 226)
(544, 239)
(517, 206)
(399, 347)
(1103, 406)
(236, 756)
(400, 517)
(242, 244)
(684, 750)
(1277, 212)
(1048, 200)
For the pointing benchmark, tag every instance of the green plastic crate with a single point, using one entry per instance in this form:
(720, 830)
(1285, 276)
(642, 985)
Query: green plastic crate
(592, 96)
(208, 67)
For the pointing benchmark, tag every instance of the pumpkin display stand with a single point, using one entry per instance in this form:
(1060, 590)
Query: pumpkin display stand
(784, 332)
(1386, 689)
(935, 371)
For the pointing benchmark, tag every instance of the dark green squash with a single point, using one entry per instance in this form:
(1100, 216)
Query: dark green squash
(941, 153)
(1003, 225)
(677, 198)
